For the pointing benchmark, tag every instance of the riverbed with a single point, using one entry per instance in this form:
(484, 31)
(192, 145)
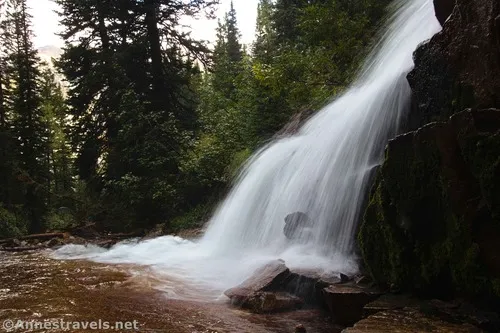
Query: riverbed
(36, 288)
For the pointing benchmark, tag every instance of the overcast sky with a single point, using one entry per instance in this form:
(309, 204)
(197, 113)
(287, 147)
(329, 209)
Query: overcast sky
(45, 21)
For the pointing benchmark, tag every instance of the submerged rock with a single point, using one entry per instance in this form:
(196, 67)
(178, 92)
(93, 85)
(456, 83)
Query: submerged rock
(295, 225)
(407, 321)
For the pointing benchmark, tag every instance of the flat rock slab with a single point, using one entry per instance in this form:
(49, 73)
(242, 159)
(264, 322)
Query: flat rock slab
(268, 277)
(391, 302)
(407, 321)
(346, 301)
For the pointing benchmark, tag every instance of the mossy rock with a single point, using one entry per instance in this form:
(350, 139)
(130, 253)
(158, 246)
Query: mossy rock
(432, 224)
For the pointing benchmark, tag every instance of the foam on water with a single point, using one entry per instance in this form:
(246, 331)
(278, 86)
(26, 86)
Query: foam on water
(324, 171)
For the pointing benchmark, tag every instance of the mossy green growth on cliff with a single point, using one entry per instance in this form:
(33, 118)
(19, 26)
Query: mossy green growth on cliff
(430, 225)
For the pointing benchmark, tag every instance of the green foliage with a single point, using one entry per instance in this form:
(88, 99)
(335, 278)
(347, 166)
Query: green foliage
(239, 159)
(132, 104)
(12, 223)
(304, 53)
(142, 134)
(61, 219)
(194, 218)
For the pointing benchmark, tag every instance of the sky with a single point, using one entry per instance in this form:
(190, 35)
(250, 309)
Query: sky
(45, 22)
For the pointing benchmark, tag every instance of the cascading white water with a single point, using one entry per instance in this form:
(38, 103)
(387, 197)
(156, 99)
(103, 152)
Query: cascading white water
(324, 171)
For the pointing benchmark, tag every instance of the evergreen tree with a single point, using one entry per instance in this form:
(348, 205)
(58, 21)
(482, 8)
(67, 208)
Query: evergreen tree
(228, 55)
(58, 157)
(27, 122)
(130, 69)
(263, 46)
(5, 137)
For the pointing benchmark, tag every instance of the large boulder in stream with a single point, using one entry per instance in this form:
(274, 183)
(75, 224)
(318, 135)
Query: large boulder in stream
(274, 288)
(433, 221)
(264, 290)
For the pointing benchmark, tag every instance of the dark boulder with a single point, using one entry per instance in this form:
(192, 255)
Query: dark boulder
(433, 221)
(346, 301)
(270, 277)
(309, 284)
(295, 224)
(443, 9)
(460, 66)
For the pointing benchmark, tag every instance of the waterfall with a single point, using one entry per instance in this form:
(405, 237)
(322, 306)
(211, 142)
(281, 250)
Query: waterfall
(324, 171)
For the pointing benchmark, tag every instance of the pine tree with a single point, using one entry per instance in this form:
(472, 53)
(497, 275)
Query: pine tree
(286, 21)
(5, 135)
(58, 157)
(130, 98)
(263, 46)
(27, 124)
(228, 55)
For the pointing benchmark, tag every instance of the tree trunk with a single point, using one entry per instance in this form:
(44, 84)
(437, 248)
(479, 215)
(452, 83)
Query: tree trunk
(155, 54)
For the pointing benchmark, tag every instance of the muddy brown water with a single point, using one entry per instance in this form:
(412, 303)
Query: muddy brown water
(36, 288)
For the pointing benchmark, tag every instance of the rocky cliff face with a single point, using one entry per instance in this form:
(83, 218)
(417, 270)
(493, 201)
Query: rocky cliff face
(460, 66)
(433, 221)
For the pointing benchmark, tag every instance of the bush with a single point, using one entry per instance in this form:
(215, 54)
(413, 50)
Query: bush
(12, 223)
(60, 219)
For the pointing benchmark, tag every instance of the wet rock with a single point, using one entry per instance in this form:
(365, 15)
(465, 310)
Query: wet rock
(346, 301)
(408, 321)
(55, 242)
(269, 277)
(158, 231)
(295, 224)
(363, 280)
(391, 302)
(106, 243)
(14, 243)
(300, 329)
(459, 67)
(309, 284)
(460, 311)
(344, 278)
(443, 9)
(294, 124)
(433, 221)
(272, 302)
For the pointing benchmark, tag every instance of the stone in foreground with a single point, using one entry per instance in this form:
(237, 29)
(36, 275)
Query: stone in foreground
(271, 302)
(407, 321)
(269, 277)
(346, 302)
